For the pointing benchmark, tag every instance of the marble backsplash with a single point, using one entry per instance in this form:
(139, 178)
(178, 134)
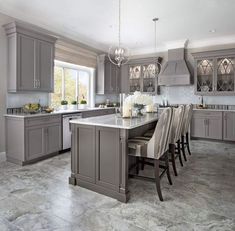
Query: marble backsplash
(173, 94)
(15, 100)
(185, 95)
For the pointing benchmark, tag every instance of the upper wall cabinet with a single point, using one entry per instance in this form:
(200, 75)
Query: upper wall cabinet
(214, 72)
(30, 59)
(140, 75)
(108, 76)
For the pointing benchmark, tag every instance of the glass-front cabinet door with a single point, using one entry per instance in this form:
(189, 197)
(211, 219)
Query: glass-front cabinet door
(143, 77)
(225, 74)
(205, 73)
(149, 77)
(214, 72)
(135, 78)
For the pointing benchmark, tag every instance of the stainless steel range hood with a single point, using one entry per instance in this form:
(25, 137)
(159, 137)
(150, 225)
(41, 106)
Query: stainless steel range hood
(175, 71)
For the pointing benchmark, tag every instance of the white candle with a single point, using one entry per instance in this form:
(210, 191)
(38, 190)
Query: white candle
(126, 110)
(149, 108)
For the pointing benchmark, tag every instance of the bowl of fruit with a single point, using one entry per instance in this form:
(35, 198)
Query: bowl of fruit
(49, 110)
(32, 108)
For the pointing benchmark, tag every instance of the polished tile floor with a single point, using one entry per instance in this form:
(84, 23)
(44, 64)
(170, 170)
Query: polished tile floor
(202, 197)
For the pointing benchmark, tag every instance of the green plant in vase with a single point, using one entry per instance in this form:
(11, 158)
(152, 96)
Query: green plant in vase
(64, 104)
(74, 102)
(83, 102)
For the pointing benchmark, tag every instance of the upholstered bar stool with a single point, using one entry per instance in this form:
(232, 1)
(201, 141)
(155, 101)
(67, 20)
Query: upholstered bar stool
(175, 136)
(155, 148)
(185, 129)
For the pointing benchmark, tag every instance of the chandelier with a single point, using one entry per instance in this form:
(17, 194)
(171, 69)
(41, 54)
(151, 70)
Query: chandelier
(158, 64)
(119, 55)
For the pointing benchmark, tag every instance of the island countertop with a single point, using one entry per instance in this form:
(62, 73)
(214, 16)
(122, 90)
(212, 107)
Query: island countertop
(115, 121)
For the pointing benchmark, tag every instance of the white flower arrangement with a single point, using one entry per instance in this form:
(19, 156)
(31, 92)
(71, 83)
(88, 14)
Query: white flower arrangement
(138, 98)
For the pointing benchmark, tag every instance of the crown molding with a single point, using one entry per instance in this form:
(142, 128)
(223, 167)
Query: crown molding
(222, 40)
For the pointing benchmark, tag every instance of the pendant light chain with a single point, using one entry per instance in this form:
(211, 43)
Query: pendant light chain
(119, 26)
(155, 43)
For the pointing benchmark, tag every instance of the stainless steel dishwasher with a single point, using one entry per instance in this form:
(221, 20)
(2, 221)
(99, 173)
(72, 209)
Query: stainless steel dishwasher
(67, 129)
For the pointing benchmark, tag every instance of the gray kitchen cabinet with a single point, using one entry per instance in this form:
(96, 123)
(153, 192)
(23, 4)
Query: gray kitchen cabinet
(229, 126)
(26, 68)
(214, 72)
(85, 153)
(107, 157)
(30, 59)
(108, 76)
(46, 66)
(95, 154)
(36, 138)
(207, 124)
(35, 142)
(53, 138)
(140, 75)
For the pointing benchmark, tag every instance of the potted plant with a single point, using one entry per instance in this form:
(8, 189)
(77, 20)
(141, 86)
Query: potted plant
(83, 103)
(74, 105)
(64, 104)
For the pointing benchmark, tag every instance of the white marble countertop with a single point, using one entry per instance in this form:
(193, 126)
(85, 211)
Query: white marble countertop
(115, 121)
(60, 112)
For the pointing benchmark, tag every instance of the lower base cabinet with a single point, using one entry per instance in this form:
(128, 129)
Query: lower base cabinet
(207, 124)
(229, 126)
(96, 158)
(30, 139)
(213, 125)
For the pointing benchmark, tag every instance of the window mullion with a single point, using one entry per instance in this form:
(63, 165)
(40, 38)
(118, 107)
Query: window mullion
(77, 84)
(63, 84)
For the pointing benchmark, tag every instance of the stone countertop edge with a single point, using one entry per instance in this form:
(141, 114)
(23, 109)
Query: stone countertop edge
(23, 115)
(112, 121)
(215, 110)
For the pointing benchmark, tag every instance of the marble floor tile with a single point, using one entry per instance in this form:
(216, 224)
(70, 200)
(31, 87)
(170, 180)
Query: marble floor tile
(202, 197)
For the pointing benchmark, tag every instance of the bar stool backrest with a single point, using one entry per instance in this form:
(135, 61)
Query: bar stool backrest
(187, 118)
(177, 121)
(159, 142)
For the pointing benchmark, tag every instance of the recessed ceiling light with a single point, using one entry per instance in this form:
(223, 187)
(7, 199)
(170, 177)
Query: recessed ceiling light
(212, 30)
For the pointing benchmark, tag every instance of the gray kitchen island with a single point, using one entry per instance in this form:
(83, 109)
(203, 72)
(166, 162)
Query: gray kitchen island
(99, 152)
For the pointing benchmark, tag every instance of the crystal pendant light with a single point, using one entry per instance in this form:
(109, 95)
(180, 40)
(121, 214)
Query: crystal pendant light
(119, 55)
(159, 65)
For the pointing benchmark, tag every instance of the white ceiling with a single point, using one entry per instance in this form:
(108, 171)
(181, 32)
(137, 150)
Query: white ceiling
(95, 22)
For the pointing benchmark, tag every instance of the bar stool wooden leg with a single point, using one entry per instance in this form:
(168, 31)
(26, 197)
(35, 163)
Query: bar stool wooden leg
(187, 143)
(168, 169)
(137, 165)
(180, 157)
(183, 148)
(142, 163)
(172, 153)
(157, 179)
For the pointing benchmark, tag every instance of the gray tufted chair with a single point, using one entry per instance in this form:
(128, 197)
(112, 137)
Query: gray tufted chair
(155, 148)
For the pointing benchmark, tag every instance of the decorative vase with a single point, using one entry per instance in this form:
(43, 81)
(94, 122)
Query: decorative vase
(74, 107)
(63, 107)
(139, 108)
(82, 106)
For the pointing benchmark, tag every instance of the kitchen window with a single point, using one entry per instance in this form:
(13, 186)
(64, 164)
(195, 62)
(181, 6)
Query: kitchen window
(72, 82)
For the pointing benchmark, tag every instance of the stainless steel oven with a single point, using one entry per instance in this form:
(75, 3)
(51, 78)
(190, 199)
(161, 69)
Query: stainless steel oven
(67, 130)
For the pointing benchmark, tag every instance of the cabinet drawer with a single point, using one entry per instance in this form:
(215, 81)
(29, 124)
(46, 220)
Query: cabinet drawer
(43, 120)
(207, 114)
